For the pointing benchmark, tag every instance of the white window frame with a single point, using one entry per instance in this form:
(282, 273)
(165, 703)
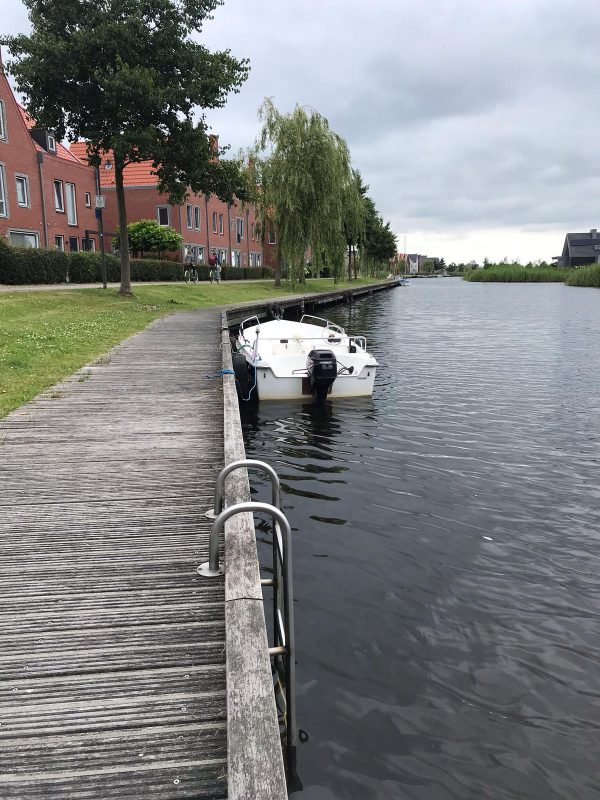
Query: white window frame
(88, 245)
(221, 225)
(51, 142)
(59, 242)
(71, 193)
(76, 240)
(236, 258)
(189, 216)
(59, 207)
(239, 229)
(3, 193)
(197, 217)
(168, 210)
(88, 200)
(3, 132)
(201, 254)
(26, 233)
(25, 179)
(258, 259)
(272, 236)
(214, 221)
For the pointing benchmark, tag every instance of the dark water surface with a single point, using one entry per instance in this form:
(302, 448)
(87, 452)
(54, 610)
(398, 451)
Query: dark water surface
(447, 549)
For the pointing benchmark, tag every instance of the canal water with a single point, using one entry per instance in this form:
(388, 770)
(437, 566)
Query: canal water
(447, 549)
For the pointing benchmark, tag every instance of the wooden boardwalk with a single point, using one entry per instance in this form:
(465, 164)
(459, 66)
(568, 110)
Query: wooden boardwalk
(112, 676)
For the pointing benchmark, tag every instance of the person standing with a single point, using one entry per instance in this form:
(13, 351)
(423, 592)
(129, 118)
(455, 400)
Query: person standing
(212, 263)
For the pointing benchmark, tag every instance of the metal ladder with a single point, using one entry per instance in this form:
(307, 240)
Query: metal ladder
(283, 649)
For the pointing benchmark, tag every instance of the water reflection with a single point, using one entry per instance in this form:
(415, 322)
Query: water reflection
(445, 542)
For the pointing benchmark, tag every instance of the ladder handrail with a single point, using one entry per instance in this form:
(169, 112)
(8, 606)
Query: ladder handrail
(287, 651)
(244, 462)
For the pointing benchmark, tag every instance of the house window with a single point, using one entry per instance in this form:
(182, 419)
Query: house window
(236, 258)
(239, 229)
(3, 198)
(252, 231)
(221, 224)
(22, 182)
(51, 143)
(223, 257)
(24, 238)
(258, 260)
(89, 245)
(197, 217)
(2, 121)
(214, 227)
(88, 200)
(71, 207)
(162, 213)
(200, 254)
(272, 237)
(59, 201)
(188, 214)
(59, 242)
(73, 244)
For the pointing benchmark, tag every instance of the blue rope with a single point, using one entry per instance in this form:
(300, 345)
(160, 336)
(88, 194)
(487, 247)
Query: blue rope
(220, 373)
(231, 372)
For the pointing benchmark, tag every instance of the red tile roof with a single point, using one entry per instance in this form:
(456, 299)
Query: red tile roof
(61, 150)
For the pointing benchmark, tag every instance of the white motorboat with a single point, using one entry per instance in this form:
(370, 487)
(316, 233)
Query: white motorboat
(286, 360)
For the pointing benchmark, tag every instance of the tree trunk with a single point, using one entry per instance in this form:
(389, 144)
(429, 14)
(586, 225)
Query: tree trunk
(349, 262)
(124, 234)
(278, 269)
(355, 267)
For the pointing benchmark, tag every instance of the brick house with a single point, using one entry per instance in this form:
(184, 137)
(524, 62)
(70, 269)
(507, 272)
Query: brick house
(46, 192)
(206, 223)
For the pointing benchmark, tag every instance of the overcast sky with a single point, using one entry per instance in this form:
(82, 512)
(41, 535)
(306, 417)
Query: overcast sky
(474, 122)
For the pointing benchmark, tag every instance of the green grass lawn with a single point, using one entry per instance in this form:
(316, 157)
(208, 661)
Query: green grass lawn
(47, 335)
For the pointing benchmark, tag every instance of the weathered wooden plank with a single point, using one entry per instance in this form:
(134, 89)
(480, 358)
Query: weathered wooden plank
(112, 649)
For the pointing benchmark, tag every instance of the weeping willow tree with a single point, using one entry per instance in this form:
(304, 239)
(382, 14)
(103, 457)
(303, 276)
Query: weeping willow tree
(303, 176)
(354, 219)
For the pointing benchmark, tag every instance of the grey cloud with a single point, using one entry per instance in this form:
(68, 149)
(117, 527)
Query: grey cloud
(462, 115)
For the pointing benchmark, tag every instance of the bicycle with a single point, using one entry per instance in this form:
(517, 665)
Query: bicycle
(191, 273)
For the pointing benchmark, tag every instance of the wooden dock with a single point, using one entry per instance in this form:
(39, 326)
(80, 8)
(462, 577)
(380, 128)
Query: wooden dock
(112, 647)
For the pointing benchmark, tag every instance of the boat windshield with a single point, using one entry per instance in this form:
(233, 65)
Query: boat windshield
(321, 322)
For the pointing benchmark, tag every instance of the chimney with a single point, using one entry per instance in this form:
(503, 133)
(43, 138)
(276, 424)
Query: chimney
(594, 233)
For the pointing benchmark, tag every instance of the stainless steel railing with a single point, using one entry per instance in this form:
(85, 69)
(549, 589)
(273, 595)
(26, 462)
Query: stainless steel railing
(283, 649)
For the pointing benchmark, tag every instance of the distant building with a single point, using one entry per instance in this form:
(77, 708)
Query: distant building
(580, 249)
(46, 192)
(207, 224)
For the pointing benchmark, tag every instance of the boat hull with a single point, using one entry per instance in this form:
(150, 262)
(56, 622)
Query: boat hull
(272, 387)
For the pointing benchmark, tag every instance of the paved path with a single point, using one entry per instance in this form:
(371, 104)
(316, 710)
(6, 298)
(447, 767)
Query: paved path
(51, 287)
(112, 681)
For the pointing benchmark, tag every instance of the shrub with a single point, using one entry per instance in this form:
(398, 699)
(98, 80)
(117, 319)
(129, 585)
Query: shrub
(24, 265)
(86, 267)
(21, 265)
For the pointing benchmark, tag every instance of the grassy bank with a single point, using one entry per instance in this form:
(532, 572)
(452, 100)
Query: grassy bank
(45, 336)
(585, 276)
(514, 274)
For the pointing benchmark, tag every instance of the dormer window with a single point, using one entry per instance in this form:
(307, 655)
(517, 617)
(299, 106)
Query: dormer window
(51, 141)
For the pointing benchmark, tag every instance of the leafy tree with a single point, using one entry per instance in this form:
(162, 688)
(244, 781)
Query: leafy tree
(380, 241)
(147, 236)
(303, 171)
(125, 75)
(354, 218)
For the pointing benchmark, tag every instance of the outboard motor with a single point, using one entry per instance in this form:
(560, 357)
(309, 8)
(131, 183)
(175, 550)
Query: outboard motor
(322, 372)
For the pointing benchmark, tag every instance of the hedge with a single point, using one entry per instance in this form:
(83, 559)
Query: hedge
(20, 265)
